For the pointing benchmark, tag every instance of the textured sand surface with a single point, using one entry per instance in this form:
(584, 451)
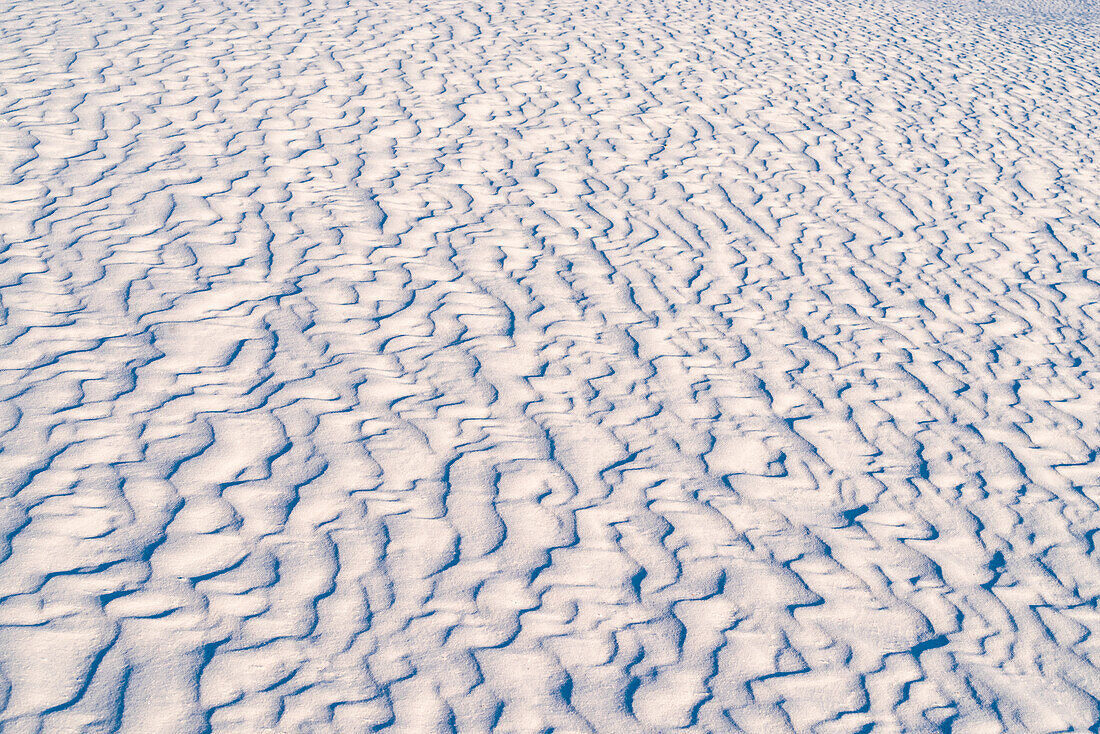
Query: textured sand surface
(435, 366)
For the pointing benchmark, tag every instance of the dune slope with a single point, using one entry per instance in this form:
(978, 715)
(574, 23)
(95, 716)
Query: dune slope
(571, 366)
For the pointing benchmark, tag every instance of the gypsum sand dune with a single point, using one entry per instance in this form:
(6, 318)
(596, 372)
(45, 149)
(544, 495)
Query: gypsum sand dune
(605, 366)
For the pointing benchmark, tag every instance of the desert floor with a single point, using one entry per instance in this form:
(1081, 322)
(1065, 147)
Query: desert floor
(612, 366)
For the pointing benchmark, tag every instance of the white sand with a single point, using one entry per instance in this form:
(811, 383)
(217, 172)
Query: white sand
(580, 367)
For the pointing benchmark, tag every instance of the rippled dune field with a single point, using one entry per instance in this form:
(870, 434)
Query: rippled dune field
(614, 366)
